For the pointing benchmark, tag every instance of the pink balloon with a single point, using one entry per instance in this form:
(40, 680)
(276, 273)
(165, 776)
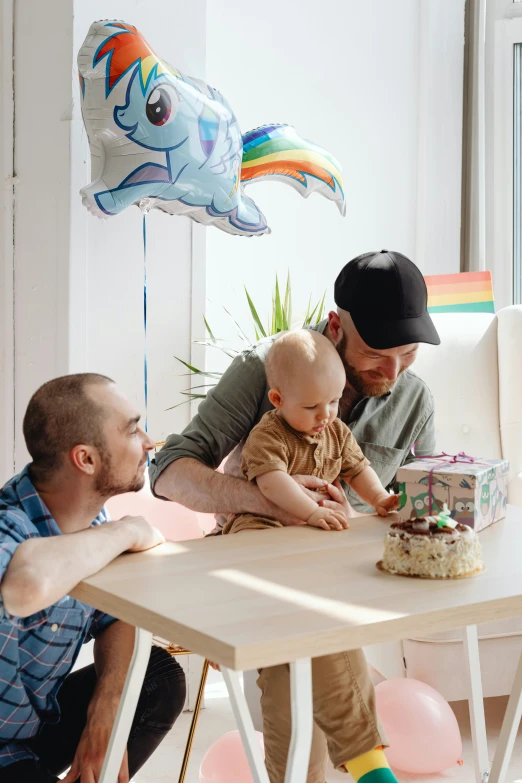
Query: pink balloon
(176, 522)
(226, 762)
(422, 729)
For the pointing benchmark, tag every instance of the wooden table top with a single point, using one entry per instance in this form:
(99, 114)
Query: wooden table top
(267, 597)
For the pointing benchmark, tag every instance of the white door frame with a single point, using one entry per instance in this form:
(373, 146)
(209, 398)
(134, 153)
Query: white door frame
(507, 33)
(7, 413)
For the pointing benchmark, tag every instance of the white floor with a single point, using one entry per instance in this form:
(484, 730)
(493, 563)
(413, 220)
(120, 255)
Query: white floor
(217, 719)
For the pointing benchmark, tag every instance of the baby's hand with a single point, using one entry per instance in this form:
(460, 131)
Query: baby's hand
(328, 519)
(385, 503)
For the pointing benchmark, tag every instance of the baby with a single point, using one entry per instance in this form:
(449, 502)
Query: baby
(303, 435)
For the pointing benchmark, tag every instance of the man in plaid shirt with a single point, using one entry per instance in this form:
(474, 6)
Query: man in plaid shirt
(86, 446)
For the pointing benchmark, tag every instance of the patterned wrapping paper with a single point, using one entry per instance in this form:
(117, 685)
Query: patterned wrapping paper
(475, 490)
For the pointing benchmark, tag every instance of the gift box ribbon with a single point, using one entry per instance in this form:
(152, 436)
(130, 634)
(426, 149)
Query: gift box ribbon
(447, 461)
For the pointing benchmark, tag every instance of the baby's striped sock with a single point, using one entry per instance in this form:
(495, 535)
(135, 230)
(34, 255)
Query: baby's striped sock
(371, 767)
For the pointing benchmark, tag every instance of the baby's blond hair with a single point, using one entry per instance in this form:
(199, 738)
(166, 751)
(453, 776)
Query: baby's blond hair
(298, 354)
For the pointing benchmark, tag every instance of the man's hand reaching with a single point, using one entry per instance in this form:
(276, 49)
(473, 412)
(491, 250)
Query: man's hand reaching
(331, 501)
(336, 500)
(91, 750)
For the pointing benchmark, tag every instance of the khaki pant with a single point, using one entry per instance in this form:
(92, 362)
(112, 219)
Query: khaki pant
(345, 716)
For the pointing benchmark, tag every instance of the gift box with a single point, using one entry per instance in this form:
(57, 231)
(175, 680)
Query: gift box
(475, 490)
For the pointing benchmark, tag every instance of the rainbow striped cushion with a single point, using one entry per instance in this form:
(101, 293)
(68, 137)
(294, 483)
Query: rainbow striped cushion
(467, 292)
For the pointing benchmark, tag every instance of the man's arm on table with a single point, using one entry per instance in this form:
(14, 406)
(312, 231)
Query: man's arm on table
(201, 488)
(183, 470)
(43, 570)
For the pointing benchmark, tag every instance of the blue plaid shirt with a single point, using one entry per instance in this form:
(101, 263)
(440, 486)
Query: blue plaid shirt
(37, 652)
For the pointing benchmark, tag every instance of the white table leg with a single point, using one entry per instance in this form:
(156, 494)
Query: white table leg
(127, 706)
(476, 705)
(302, 723)
(245, 726)
(509, 730)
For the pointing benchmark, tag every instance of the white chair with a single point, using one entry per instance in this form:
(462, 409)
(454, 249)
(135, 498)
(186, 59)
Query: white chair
(474, 376)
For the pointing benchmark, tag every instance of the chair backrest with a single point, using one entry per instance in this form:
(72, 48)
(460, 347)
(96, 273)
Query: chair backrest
(462, 374)
(510, 385)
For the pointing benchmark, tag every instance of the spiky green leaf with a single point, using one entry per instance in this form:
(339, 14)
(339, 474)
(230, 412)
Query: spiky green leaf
(287, 306)
(321, 309)
(257, 320)
(278, 309)
(240, 331)
(196, 371)
(209, 330)
(231, 353)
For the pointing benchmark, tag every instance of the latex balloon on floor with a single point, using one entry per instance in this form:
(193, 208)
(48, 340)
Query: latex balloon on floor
(162, 139)
(422, 729)
(226, 762)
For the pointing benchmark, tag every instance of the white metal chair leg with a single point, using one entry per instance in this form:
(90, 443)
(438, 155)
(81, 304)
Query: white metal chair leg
(476, 705)
(127, 706)
(302, 721)
(245, 726)
(508, 733)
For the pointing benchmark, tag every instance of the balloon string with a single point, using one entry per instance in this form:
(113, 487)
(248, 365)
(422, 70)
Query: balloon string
(145, 368)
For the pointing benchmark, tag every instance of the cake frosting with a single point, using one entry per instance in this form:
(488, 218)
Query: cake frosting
(434, 547)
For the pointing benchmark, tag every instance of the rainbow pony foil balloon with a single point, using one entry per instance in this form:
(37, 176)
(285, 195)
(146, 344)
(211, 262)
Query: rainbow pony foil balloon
(161, 139)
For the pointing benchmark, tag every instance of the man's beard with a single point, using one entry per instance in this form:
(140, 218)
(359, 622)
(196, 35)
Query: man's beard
(356, 380)
(107, 484)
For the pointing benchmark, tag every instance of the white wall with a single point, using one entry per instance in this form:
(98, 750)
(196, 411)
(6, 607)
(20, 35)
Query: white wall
(114, 258)
(439, 162)
(378, 84)
(41, 223)
(6, 241)
(78, 289)
(503, 29)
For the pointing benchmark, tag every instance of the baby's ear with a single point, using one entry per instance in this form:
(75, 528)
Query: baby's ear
(275, 397)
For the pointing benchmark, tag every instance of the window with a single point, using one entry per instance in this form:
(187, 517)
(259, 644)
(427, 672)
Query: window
(504, 151)
(517, 172)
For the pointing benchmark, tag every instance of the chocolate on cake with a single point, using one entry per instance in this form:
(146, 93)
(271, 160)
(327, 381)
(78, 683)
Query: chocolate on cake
(432, 548)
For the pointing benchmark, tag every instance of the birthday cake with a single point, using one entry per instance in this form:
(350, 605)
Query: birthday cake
(434, 547)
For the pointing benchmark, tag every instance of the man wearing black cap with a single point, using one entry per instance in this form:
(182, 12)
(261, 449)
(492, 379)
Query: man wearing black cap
(386, 297)
(381, 319)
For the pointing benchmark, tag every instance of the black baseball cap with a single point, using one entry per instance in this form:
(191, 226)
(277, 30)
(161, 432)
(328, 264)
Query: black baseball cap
(386, 296)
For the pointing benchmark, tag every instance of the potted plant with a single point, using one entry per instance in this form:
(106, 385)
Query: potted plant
(280, 320)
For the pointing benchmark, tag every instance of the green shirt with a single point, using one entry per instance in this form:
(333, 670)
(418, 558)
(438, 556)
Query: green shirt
(385, 427)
